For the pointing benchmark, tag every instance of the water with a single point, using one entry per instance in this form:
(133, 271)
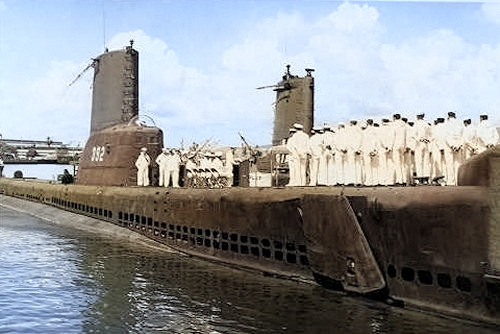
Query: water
(60, 280)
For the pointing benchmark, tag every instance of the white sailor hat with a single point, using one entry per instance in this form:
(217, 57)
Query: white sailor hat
(298, 126)
(144, 149)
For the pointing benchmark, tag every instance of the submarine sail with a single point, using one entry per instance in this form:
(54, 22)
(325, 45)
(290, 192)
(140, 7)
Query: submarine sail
(294, 104)
(116, 135)
(116, 88)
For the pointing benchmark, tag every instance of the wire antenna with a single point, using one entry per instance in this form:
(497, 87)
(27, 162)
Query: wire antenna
(104, 26)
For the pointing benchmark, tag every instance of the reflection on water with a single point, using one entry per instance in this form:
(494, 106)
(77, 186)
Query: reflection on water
(59, 280)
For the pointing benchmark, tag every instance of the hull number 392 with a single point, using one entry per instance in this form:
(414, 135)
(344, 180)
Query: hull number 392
(97, 153)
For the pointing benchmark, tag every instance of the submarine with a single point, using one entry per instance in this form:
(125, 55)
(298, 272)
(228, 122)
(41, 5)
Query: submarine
(430, 248)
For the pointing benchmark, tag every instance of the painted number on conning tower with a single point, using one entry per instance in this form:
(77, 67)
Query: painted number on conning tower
(98, 153)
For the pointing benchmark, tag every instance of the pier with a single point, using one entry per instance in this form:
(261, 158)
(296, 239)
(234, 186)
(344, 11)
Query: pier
(21, 151)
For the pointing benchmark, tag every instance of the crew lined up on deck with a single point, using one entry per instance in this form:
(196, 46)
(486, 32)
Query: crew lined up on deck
(203, 170)
(394, 152)
(210, 170)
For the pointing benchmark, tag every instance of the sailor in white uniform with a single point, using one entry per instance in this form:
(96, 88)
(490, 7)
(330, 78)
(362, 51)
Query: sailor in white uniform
(173, 168)
(142, 165)
(470, 140)
(399, 149)
(386, 137)
(453, 148)
(487, 135)
(438, 144)
(317, 148)
(410, 153)
(162, 161)
(299, 147)
(292, 160)
(422, 140)
(352, 169)
(328, 170)
(369, 148)
(341, 140)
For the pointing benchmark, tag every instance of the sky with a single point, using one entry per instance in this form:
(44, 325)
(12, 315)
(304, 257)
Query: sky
(202, 60)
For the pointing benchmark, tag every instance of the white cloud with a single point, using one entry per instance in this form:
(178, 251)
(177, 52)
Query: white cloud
(47, 106)
(181, 97)
(351, 18)
(491, 11)
(358, 74)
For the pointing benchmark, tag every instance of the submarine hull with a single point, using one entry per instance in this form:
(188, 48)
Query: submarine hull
(431, 247)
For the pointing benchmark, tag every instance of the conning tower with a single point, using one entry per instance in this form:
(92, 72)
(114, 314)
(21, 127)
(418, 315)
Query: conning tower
(116, 88)
(294, 104)
(116, 134)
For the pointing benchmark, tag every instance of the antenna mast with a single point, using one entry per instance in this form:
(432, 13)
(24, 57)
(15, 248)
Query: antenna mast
(104, 27)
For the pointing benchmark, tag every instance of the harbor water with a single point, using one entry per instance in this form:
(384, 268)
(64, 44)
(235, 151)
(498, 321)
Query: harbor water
(56, 279)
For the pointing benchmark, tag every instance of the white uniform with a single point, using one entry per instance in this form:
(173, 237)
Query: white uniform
(487, 135)
(298, 145)
(172, 169)
(292, 159)
(162, 161)
(352, 169)
(370, 149)
(470, 141)
(399, 149)
(218, 165)
(227, 170)
(411, 145)
(438, 144)
(453, 149)
(328, 171)
(387, 169)
(422, 140)
(303, 148)
(191, 168)
(317, 147)
(142, 165)
(204, 164)
(341, 154)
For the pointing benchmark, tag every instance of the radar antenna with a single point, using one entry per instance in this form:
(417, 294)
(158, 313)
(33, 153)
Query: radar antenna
(285, 86)
(82, 72)
(270, 86)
